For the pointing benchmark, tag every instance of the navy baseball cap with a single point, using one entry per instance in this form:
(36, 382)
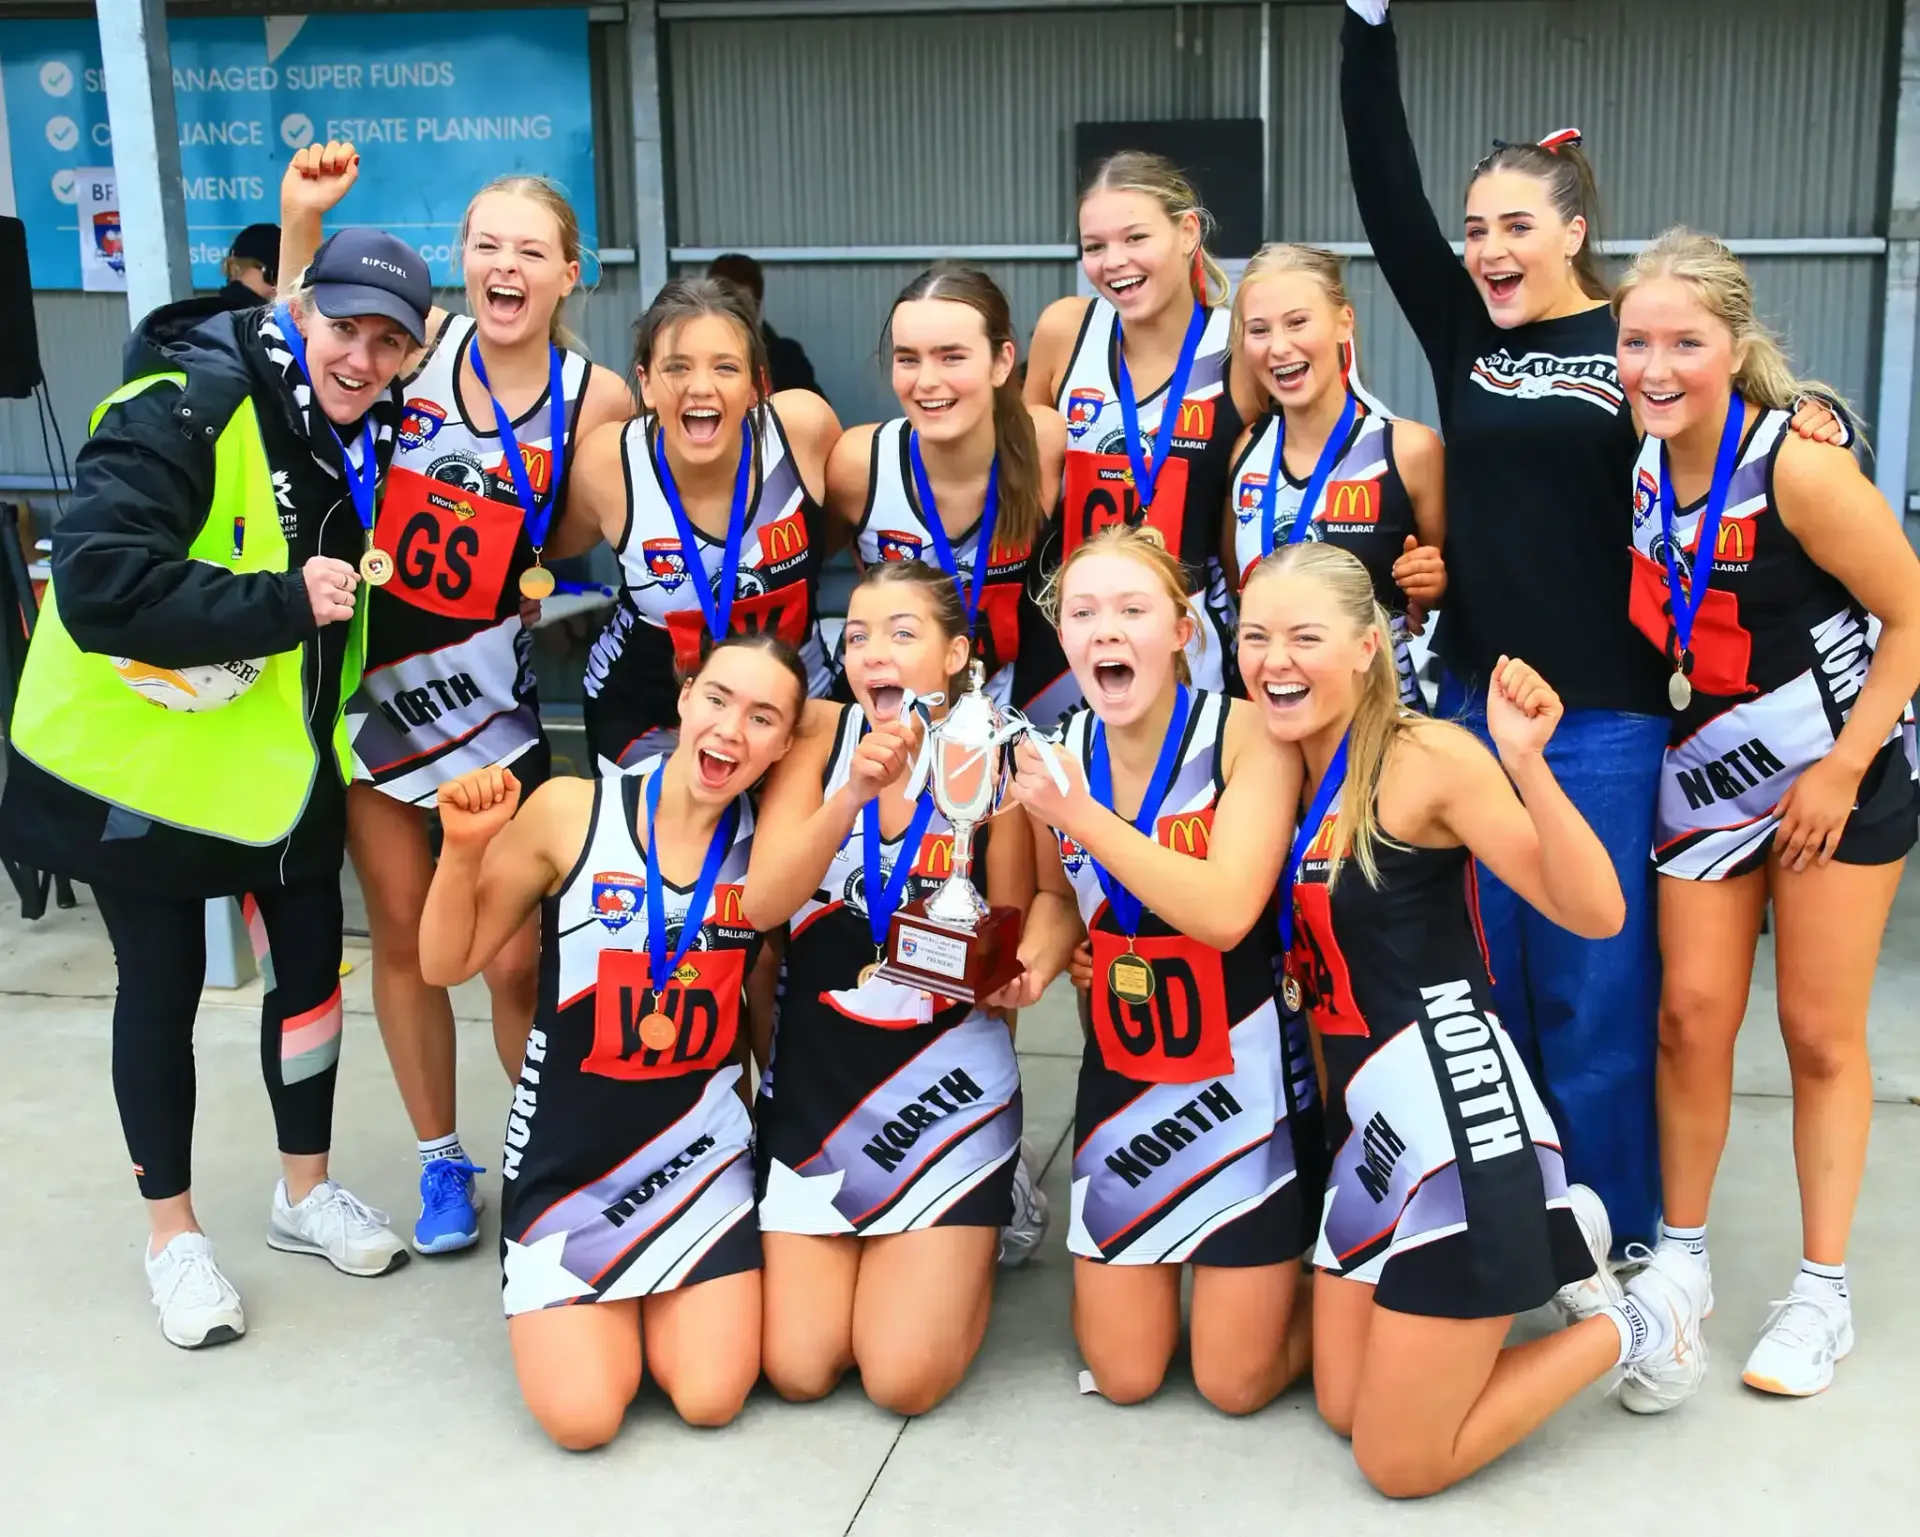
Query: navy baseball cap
(369, 272)
(259, 243)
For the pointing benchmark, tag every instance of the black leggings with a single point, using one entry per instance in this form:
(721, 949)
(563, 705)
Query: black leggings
(160, 946)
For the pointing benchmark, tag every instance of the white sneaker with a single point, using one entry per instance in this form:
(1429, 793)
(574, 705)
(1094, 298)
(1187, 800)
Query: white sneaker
(198, 1305)
(1582, 1299)
(1811, 1329)
(1022, 1236)
(338, 1226)
(1674, 1246)
(1673, 1286)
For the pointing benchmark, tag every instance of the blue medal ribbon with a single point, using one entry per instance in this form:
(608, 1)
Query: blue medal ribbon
(1124, 904)
(662, 965)
(539, 518)
(717, 606)
(1146, 473)
(883, 899)
(1316, 485)
(362, 479)
(943, 546)
(1686, 600)
(1303, 837)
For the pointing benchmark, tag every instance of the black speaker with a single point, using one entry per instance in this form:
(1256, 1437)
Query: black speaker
(20, 372)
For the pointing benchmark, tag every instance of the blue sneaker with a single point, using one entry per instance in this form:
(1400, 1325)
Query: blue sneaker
(450, 1206)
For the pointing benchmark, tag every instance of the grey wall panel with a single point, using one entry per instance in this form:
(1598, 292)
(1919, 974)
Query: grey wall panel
(1745, 117)
(922, 129)
(80, 340)
(836, 313)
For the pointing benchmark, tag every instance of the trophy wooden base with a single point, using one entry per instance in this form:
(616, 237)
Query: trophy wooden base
(969, 965)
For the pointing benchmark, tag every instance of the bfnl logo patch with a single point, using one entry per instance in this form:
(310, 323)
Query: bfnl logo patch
(1073, 858)
(419, 423)
(665, 562)
(1593, 378)
(1083, 405)
(1646, 497)
(616, 898)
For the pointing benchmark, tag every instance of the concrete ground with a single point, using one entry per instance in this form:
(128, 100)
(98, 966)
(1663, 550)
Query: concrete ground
(390, 1404)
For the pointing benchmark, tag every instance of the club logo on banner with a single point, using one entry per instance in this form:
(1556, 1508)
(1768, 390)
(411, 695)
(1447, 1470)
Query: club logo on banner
(249, 91)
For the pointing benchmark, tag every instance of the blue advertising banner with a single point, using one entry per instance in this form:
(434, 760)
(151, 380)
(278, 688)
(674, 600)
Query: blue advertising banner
(438, 103)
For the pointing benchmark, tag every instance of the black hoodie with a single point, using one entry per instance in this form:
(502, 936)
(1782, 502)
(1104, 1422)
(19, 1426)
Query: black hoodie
(143, 488)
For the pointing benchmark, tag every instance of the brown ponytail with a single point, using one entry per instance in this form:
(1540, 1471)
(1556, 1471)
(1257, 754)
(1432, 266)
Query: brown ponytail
(1014, 440)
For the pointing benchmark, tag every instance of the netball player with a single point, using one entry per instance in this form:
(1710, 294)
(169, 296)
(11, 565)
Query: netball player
(713, 502)
(967, 464)
(1521, 344)
(888, 1125)
(1150, 348)
(1757, 559)
(1162, 850)
(1328, 464)
(628, 1172)
(1447, 1207)
(497, 401)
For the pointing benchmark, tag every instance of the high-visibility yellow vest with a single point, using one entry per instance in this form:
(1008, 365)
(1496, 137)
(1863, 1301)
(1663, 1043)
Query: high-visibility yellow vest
(243, 772)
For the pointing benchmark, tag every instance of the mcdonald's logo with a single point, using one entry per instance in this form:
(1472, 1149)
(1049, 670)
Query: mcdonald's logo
(1195, 420)
(729, 910)
(539, 469)
(936, 857)
(1353, 501)
(1734, 542)
(783, 540)
(1322, 846)
(1191, 832)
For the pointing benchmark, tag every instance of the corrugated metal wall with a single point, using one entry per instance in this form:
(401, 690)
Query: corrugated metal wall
(1752, 117)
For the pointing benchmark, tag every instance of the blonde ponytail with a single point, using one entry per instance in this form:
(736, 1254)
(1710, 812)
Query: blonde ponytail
(1379, 719)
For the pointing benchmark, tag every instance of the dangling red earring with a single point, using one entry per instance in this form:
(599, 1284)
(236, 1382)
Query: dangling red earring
(1198, 277)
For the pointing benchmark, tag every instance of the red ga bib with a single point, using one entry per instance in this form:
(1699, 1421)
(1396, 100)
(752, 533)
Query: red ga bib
(702, 999)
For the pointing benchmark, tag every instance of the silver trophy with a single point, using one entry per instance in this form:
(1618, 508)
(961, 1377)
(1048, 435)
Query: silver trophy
(953, 943)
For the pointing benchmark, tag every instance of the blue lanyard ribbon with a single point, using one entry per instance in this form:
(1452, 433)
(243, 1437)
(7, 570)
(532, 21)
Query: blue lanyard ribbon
(662, 966)
(361, 478)
(539, 518)
(1124, 904)
(1316, 485)
(1686, 600)
(1303, 837)
(943, 546)
(883, 899)
(1146, 473)
(717, 606)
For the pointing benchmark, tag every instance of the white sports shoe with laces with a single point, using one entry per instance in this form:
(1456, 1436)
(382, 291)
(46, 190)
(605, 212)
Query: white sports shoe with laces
(1582, 1299)
(1810, 1329)
(197, 1304)
(1673, 1288)
(1020, 1237)
(337, 1225)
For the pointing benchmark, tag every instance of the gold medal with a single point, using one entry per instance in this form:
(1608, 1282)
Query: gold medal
(867, 973)
(1291, 993)
(657, 1031)
(1679, 690)
(376, 567)
(536, 582)
(1130, 978)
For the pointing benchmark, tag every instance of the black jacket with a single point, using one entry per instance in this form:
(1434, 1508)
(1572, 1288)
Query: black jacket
(143, 488)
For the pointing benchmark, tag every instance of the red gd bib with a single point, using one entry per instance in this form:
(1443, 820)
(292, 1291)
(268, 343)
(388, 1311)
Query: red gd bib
(1722, 648)
(1318, 965)
(783, 611)
(1181, 1035)
(451, 549)
(703, 1000)
(1100, 491)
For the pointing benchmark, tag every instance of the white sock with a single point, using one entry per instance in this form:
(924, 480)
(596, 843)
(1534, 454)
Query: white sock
(1834, 1276)
(1643, 1332)
(1692, 1239)
(443, 1147)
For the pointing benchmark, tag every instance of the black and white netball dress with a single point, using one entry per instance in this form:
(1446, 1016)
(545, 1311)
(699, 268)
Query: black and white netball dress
(1121, 467)
(628, 1167)
(884, 1110)
(901, 522)
(1768, 653)
(679, 584)
(1183, 1145)
(449, 684)
(1354, 498)
(1447, 1191)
